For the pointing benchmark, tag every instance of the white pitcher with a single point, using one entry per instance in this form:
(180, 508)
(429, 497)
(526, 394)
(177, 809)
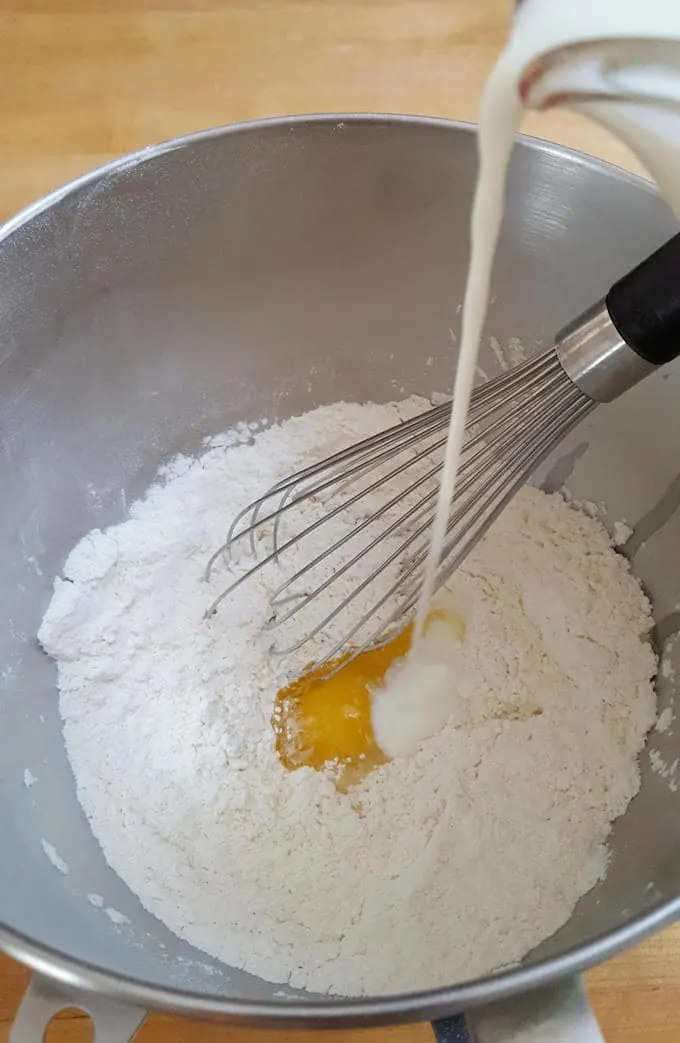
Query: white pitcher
(615, 61)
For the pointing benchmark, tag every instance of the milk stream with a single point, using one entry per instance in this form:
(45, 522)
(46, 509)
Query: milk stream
(623, 71)
(499, 119)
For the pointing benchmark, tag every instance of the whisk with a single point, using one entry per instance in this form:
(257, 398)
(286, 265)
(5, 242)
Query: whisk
(359, 589)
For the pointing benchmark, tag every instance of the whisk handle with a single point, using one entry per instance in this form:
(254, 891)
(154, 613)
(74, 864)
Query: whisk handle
(645, 305)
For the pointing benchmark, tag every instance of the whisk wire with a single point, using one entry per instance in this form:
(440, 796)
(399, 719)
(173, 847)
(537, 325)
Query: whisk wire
(514, 421)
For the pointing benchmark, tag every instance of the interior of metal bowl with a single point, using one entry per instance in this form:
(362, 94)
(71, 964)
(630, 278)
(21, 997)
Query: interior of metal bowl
(260, 271)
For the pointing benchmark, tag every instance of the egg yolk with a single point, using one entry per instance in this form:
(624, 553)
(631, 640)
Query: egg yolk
(323, 719)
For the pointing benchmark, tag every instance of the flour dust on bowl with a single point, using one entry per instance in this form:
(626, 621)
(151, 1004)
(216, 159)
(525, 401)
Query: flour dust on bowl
(260, 272)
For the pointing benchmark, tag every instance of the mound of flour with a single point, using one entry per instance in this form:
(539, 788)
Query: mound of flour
(437, 867)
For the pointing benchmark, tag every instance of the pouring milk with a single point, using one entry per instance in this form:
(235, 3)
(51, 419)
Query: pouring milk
(617, 63)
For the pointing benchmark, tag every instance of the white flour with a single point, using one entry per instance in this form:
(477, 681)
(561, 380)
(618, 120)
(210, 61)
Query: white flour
(437, 867)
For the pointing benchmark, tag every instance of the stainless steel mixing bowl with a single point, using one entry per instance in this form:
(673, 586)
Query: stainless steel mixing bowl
(258, 271)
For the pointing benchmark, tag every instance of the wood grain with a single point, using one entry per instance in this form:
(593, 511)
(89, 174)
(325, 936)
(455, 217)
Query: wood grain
(84, 80)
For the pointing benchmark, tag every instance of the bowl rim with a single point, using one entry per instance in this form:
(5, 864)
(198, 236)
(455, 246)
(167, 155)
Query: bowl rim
(79, 977)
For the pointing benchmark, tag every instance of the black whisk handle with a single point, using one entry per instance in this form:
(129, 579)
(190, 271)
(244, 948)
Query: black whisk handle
(645, 305)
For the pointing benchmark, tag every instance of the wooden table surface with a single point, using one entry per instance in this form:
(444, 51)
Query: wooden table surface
(82, 81)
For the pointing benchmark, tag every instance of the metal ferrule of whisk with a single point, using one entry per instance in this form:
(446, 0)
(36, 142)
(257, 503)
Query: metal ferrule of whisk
(357, 590)
(596, 358)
